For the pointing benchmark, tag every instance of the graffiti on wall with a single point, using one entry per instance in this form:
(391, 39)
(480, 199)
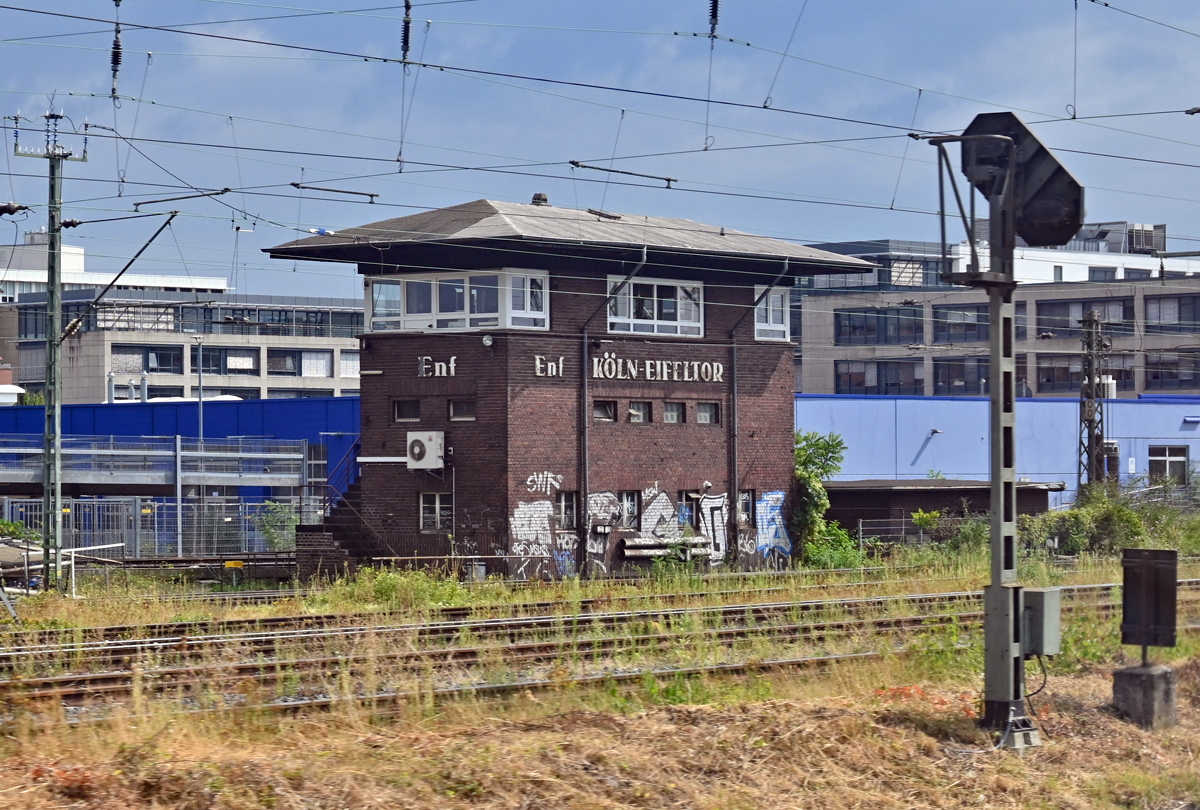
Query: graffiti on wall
(772, 533)
(714, 518)
(660, 518)
(532, 538)
(545, 482)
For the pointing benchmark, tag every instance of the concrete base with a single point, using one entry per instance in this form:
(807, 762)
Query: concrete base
(1146, 695)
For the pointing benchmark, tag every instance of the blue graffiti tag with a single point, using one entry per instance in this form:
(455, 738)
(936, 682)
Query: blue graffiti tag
(772, 529)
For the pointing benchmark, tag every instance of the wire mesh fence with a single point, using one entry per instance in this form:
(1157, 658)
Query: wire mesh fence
(156, 527)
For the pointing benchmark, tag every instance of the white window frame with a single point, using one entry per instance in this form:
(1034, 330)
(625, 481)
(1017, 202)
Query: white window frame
(441, 502)
(772, 319)
(463, 320)
(630, 504)
(563, 500)
(620, 309)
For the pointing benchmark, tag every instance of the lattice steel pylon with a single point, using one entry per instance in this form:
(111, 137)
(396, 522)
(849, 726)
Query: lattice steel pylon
(1091, 401)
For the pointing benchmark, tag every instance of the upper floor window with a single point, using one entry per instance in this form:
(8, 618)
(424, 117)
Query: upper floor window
(445, 302)
(151, 359)
(1179, 313)
(960, 324)
(654, 306)
(226, 361)
(294, 363)
(771, 320)
(897, 325)
(1065, 318)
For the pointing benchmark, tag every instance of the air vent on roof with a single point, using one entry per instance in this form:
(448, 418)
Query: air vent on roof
(540, 199)
(603, 214)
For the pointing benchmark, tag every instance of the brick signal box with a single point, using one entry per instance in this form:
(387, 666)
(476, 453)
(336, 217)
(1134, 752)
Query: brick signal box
(553, 391)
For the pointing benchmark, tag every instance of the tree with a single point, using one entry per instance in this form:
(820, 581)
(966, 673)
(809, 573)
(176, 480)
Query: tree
(820, 456)
(277, 524)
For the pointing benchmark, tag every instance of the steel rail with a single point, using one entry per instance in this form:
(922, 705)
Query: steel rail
(508, 630)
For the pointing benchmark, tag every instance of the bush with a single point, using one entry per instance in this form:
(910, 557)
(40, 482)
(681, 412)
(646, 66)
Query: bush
(833, 548)
(1101, 522)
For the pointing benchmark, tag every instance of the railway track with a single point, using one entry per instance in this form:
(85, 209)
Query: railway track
(45, 637)
(510, 649)
(77, 654)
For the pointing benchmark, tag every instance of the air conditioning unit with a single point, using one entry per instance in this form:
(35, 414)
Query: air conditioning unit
(426, 449)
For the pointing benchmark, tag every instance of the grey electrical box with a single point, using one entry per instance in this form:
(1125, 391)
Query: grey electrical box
(1043, 622)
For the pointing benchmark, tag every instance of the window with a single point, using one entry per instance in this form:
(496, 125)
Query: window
(1174, 314)
(1137, 275)
(385, 299)
(564, 510)
(437, 511)
(451, 300)
(462, 410)
(1058, 372)
(454, 302)
(283, 363)
(960, 324)
(275, 321)
(895, 326)
(1064, 318)
(771, 320)
(650, 306)
(745, 509)
(627, 501)
(349, 361)
(1102, 274)
(960, 376)
(604, 410)
(674, 413)
(1169, 462)
(407, 410)
(151, 359)
(1171, 371)
(485, 301)
(639, 412)
(891, 378)
(227, 361)
(708, 413)
(293, 363)
(689, 509)
(298, 393)
(528, 300)
(1058, 273)
(1065, 372)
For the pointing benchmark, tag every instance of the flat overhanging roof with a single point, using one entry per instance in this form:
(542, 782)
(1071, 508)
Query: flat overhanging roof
(487, 233)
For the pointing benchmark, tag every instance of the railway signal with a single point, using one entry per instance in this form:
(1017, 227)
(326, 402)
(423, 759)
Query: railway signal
(1031, 194)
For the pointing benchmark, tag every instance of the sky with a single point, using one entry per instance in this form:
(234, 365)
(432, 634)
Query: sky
(792, 123)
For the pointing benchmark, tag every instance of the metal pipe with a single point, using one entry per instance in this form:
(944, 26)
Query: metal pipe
(734, 484)
(585, 417)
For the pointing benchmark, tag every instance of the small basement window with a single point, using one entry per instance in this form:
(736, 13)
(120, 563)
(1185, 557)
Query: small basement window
(462, 410)
(604, 410)
(407, 410)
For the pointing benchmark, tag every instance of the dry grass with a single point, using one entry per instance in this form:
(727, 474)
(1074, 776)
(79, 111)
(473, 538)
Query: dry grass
(831, 741)
(139, 600)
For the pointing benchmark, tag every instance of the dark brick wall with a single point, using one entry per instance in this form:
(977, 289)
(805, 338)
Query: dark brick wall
(527, 429)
